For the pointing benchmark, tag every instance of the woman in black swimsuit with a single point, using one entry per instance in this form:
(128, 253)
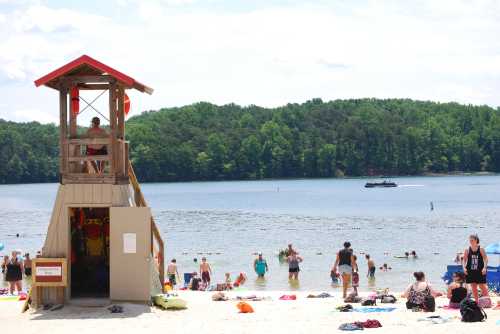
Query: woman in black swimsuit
(14, 273)
(475, 264)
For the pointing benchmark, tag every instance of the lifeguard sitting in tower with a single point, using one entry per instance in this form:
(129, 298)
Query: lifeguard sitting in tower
(95, 131)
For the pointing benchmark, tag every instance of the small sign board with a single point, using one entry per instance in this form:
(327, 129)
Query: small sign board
(129, 243)
(50, 272)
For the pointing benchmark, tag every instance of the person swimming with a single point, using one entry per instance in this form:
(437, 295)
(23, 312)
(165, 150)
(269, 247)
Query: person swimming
(385, 267)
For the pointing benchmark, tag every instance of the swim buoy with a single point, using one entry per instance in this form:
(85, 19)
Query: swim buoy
(126, 104)
(75, 100)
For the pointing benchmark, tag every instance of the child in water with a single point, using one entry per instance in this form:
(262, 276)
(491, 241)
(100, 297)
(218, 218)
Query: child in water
(229, 285)
(334, 276)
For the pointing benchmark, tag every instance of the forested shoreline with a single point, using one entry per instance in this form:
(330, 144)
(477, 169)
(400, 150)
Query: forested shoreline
(357, 137)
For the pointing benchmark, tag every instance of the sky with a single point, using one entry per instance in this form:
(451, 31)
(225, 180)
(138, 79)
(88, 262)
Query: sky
(262, 52)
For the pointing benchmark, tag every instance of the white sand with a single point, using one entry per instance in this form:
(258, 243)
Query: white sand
(206, 316)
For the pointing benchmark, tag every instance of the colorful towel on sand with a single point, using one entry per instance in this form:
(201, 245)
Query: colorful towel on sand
(436, 319)
(8, 298)
(373, 309)
(288, 297)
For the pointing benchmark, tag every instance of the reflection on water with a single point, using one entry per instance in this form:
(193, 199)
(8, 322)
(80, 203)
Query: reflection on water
(229, 222)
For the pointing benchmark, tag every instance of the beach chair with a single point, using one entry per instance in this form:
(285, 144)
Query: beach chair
(187, 279)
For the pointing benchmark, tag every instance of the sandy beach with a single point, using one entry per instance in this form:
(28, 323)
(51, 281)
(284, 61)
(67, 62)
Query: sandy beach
(206, 316)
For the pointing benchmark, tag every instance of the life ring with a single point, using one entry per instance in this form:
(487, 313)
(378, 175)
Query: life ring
(126, 104)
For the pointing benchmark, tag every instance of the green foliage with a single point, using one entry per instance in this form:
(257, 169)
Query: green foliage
(314, 139)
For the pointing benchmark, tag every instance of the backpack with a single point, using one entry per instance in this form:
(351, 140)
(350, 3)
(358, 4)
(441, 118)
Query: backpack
(429, 304)
(388, 299)
(471, 312)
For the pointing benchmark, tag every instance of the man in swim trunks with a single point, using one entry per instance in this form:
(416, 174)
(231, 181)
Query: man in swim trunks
(95, 131)
(260, 266)
(205, 271)
(172, 272)
(371, 266)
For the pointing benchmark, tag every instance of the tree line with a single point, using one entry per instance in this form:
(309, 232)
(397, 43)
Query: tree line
(339, 138)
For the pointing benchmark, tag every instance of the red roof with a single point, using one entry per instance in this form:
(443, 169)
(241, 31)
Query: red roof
(86, 65)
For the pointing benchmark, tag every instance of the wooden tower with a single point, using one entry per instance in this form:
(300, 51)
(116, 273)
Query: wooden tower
(100, 223)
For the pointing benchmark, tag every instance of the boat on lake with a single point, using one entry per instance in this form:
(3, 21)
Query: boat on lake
(383, 184)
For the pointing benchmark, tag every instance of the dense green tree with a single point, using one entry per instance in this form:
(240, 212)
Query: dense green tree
(353, 137)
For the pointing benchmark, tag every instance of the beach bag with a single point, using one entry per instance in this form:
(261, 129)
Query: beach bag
(390, 299)
(371, 323)
(219, 296)
(429, 304)
(352, 298)
(368, 302)
(345, 308)
(244, 307)
(471, 312)
(484, 302)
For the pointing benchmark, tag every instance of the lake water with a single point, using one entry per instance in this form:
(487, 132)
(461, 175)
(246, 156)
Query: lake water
(237, 219)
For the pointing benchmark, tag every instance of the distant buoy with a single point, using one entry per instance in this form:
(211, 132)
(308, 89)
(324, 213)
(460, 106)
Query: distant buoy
(1, 246)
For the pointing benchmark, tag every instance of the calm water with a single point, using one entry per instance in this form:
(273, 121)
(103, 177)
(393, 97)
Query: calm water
(237, 219)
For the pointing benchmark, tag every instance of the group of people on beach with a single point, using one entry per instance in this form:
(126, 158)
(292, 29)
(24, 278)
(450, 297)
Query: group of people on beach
(470, 282)
(13, 269)
(464, 284)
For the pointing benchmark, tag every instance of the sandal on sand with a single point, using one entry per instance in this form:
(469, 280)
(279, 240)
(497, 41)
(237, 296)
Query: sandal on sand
(56, 307)
(115, 309)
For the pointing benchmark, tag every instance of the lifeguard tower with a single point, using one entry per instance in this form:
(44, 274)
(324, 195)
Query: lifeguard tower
(101, 226)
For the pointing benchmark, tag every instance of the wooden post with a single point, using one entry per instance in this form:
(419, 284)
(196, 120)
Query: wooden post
(63, 132)
(121, 132)
(72, 120)
(112, 125)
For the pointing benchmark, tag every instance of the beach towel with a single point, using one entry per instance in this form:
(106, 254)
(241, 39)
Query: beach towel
(484, 302)
(321, 295)
(373, 309)
(350, 327)
(288, 297)
(244, 307)
(253, 298)
(9, 298)
(436, 319)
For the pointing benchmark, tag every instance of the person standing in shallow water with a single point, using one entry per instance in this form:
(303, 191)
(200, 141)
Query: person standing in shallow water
(205, 271)
(371, 267)
(27, 264)
(14, 273)
(475, 264)
(293, 265)
(260, 266)
(344, 264)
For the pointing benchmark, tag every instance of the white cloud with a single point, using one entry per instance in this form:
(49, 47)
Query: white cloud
(268, 56)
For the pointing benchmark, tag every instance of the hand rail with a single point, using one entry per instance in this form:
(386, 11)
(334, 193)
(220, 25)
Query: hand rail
(89, 141)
